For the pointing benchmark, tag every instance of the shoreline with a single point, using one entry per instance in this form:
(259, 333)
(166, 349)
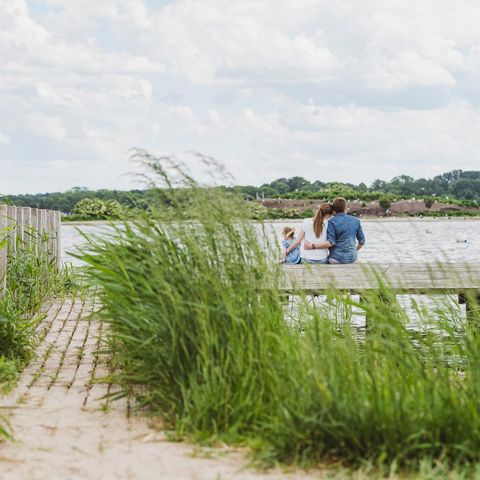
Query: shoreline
(392, 219)
(78, 223)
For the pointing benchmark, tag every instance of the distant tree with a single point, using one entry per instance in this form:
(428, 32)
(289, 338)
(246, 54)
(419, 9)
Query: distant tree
(378, 186)
(465, 188)
(280, 186)
(248, 191)
(472, 175)
(450, 177)
(403, 185)
(268, 192)
(4, 200)
(453, 186)
(296, 183)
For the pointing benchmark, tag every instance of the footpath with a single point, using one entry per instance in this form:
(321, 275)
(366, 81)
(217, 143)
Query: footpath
(66, 427)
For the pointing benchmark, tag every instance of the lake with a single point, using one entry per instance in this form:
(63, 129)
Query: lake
(396, 240)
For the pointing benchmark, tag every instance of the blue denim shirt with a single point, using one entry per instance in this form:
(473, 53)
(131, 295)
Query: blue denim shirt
(343, 231)
(294, 256)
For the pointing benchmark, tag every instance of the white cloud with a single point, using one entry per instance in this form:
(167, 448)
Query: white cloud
(237, 42)
(39, 124)
(407, 68)
(216, 118)
(347, 91)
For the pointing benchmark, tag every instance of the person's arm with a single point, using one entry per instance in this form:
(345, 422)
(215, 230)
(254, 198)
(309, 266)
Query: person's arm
(297, 241)
(316, 246)
(331, 234)
(360, 237)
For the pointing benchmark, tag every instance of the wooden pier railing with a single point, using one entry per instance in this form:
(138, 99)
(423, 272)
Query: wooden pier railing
(28, 229)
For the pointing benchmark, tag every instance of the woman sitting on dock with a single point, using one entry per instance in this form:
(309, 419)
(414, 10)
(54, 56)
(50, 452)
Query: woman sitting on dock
(313, 236)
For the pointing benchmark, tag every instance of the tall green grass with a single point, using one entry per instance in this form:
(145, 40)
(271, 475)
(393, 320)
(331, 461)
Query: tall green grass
(199, 339)
(32, 277)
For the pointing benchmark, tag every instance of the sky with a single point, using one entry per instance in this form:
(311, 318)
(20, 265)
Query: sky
(336, 91)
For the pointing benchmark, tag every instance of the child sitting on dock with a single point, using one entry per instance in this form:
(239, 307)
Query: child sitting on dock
(293, 256)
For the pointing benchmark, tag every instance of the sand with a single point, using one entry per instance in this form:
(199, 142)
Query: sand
(64, 429)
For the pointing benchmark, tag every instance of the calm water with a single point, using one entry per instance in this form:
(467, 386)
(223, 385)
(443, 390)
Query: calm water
(405, 241)
(402, 241)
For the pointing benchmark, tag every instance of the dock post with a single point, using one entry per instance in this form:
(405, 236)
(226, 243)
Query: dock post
(364, 300)
(472, 306)
(378, 296)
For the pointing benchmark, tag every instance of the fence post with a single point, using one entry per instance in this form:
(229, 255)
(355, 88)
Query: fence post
(34, 229)
(58, 226)
(3, 248)
(42, 227)
(52, 246)
(38, 228)
(27, 226)
(19, 217)
(12, 226)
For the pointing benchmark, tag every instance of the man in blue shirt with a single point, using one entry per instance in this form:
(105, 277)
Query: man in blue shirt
(343, 233)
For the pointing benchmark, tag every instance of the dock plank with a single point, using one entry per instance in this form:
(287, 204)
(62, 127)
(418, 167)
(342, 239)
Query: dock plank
(408, 278)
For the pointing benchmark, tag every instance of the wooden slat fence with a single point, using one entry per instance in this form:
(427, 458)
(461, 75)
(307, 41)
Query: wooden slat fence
(32, 229)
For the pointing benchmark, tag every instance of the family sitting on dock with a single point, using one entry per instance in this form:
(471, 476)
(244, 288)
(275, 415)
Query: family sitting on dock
(331, 236)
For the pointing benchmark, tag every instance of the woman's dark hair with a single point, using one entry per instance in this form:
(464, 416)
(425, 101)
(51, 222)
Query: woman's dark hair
(324, 209)
(339, 205)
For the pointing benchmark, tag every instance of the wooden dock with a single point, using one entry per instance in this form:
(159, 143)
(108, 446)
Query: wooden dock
(25, 229)
(462, 279)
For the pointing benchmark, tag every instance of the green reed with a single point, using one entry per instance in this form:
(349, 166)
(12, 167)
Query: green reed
(32, 277)
(198, 334)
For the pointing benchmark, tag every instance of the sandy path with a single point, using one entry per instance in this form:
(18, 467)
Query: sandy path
(64, 430)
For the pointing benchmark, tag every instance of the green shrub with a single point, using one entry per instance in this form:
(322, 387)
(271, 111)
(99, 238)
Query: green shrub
(291, 213)
(257, 211)
(309, 213)
(94, 208)
(385, 203)
(429, 202)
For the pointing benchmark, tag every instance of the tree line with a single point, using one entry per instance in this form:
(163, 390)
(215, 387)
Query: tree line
(456, 186)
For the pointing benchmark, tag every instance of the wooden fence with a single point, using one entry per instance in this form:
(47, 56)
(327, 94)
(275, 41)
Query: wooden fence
(28, 229)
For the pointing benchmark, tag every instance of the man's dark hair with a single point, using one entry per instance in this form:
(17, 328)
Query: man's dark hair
(339, 205)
